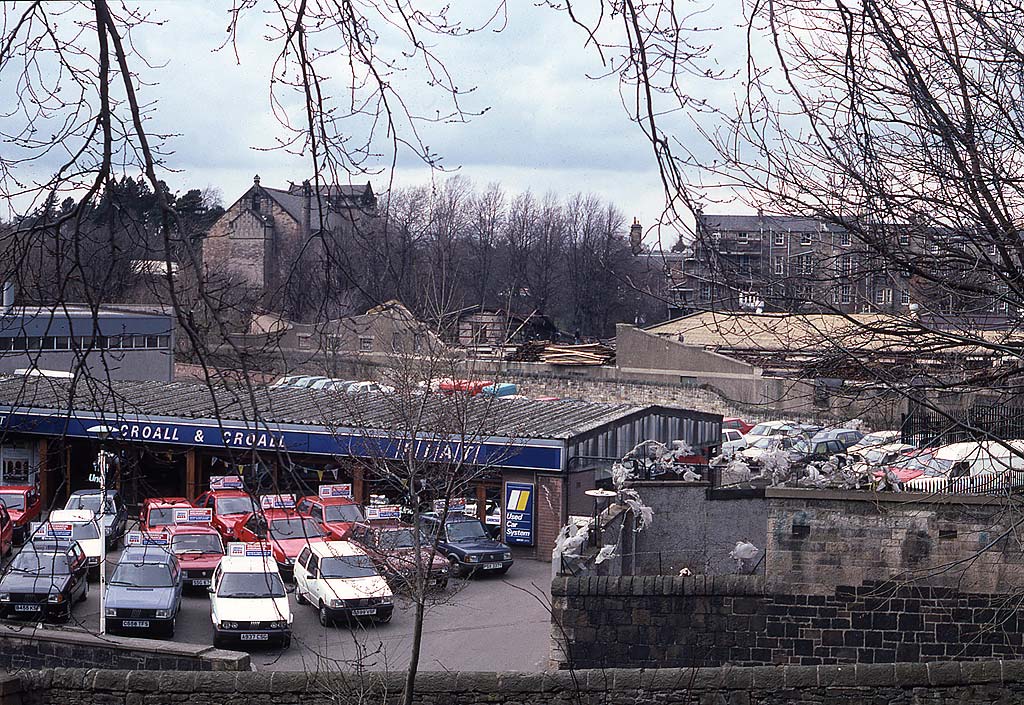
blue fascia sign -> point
(519, 517)
(317, 441)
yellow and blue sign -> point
(519, 513)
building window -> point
(805, 238)
(742, 237)
(904, 240)
(705, 291)
(904, 297)
(844, 239)
(139, 341)
(417, 342)
(396, 341)
(846, 265)
(780, 266)
(305, 341)
(845, 294)
(365, 344)
(780, 239)
(257, 202)
(805, 264)
(883, 296)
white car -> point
(732, 441)
(341, 581)
(975, 467)
(84, 529)
(877, 438)
(764, 445)
(364, 387)
(248, 602)
(768, 429)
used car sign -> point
(192, 515)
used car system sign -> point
(328, 491)
(519, 513)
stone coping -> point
(760, 678)
(878, 497)
(654, 585)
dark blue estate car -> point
(466, 544)
(144, 593)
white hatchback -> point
(248, 602)
(84, 529)
(341, 581)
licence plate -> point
(364, 612)
(27, 608)
(491, 566)
(136, 623)
(200, 581)
(255, 637)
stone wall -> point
(899, 684)
(26, 648)
(658, 621)
(818, 540)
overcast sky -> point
(548, 126)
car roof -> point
(147, 554)
(19, 488)
(50, 545)
(230, 492)
(169, 501)
(280, 513)
(71, 516)
(248, 564)
(336, 548)
(386, 524)
(453, 517)
(192, 529)
(89, 492)
(329, 500)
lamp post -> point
(103, 433)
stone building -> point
(267, 246)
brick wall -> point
(25, 648)
(658, 621)
(901, 684)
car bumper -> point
(246, 637)
(485, 567)
(127, 624)
(42, 610)
(357, 613)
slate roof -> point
(518, 419)
(768, 223)
(291, 201)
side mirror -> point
(210, 589)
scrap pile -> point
(554, 354)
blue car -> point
(467, 544)
(144, 593)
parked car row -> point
(346, 561)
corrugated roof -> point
(518, 419)
(814, 332)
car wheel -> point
(325, 617)
(299, 597)
(170, 627)
(64, 616)
(286, 642)
(456, 568)
(385, 620)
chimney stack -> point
(307, 206)
(636, 237)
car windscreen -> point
(347, 567)
(161, 516)
(234, 505)
(926, 463)
(761, 430)
(343, 512)
(251, 585)
(196, 543)
(12, 500)
(802, 447)
(90, 502)
(31, 562)
(399, 538)
(85, 531)
(295, 528)
(129, 574)
(466, 530)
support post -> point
(191, 475)
(357, 485)
(44, 472)
(481, 503)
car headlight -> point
(55, 598)
(289, 561)
(472, 559)
(110, 611)
(506, 556)
(94, 560)
(444, 571)
(5, 597)
(163, 614)
(337, 603)
(228, 625)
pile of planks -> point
(531, 351)
(589, 354)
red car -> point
(914, 464)
(337, 515)
(390, 544)
(470, 386)
(6, 532)
(228, 505)
(158, 512)
(737, 424)
(24, 507)
(199, 549)
(285, 530)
